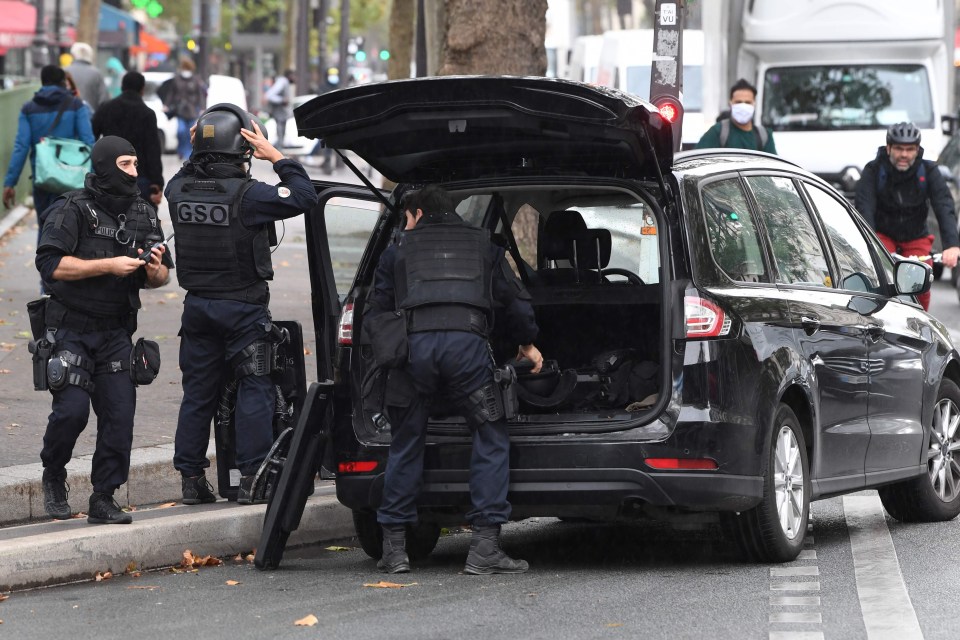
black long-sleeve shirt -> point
(128, 117)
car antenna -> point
(367, 183)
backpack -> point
(921, 177)
(758, 129)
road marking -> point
(795, 586)
(884, 601)
(795, 600)
(796, 635)
(807, 554)
(796, 616)
(783, 572)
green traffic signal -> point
(360, 56)
(154, 8)
(384, 54)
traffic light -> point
(671, 110)
(384, 54)
(152, 7)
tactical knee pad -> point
(483, 405)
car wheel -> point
(774, 530)
(935, 495)
(421, 537)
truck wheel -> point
(935, 495)
(774, 530)
(421, 537)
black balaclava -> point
(115, 189)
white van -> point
(832, 76)
(626, 58)
(584, 59)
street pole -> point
(204, 41)
(41, 46)
(344, 42)
(303, 47)
(57, 21)
(666, 79)
(421, 55)
(321, 27)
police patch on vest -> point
(107, 232)
(283, 192)
(204, 213)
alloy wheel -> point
(943, 459)
(788, 482)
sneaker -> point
(196, 490)
(105, 510)
(245, 494)
(55, 494)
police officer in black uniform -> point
(445, 275)
(222, 219)
(88, 259)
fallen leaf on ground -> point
(26, 335)
(309, 621)
(307, 352)
(388, 585)
(233, 583)
(171, 296)
(7, 346)
(3, 597)
(190, 560)
(5, 371)
(135, 574)
(238, 557)
(335, 548)
(251, 556)
(78, 516)
(131, 567)
(100, 577)
(613, 624)
(13, 425)
(148, 587)
(167, 505)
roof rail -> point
(721, 151)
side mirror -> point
(913, 278)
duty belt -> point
(447, 317)
(66, 318)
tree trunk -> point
(495, 37)
(88, 24)
(402, 19)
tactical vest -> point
(217, 256)
(106, 236)
(444, 278)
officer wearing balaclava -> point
(92, 262)
(740, 130)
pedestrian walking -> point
(222, 218)
(89, 257)
(443, 276)
(278, 103)
(53, 111)
(128, 117)
(738, 130)
(89, 80)
(184, 98)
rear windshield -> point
(828, 98)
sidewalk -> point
(35, 550)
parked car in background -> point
(220, 89)
(726, 339)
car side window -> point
(797, 251)
(734, 241)
(850, 248)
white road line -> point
(796, 635)
(784, 572)
(807, 554)
(795, 600)
(795, 586)
(796, 616)
(884, 601)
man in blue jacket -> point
(36, 121)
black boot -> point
(55, 492)
(249, 493)
(197, 490)
(487, 557)
(394, 558)
(105, 510)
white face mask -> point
(741, 112)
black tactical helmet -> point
(218, 131)
(903, 133)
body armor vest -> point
(217, 256)
(105, 236)
(443, 278)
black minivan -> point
(726, 339)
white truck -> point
(832, 75)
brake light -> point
(683, 464)
(360, 466)
(705, 319)
(345, 326)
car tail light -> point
(705, 319)
(345, 327)
(358, 466)
(683, 464)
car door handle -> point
(811, 324)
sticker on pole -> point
(668, 14)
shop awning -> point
(150, 44)
(19, 24)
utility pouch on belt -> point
(144, 361)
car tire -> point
(421, 537)
(935, 495)
(774, 530)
